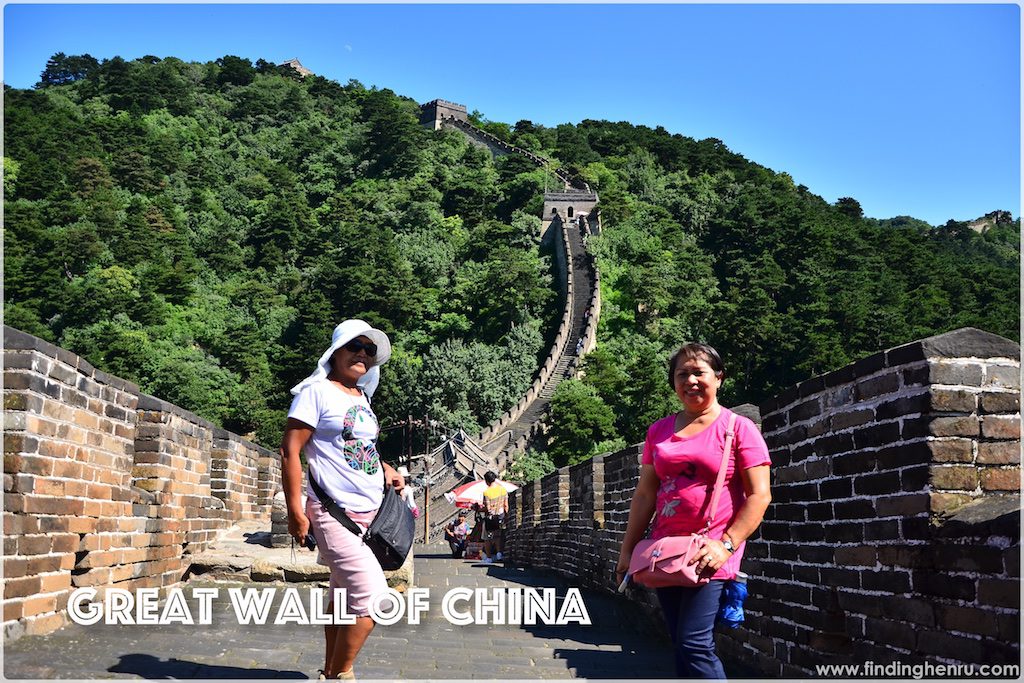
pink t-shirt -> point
(687, 467)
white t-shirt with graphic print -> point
(342, 452)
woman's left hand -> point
(392, 476)
(711, 557)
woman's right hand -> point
(622, 567)
(298, 526)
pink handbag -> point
(666, 561)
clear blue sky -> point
(910, 109)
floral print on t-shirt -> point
(360, 454)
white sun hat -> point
(343, 334)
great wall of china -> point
(894, 533)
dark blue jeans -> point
(690, 615)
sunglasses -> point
(355, 346)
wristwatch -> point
(728, 545)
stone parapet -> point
(106, 486)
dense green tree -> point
(580, 421)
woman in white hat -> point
(331, 420)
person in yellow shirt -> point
(495, 512)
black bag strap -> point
(333, 509)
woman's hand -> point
(641, 509)
(711, 557)
(621, 568)
(298, 526)
(392, 477)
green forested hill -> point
(700, 243)
(199, 228)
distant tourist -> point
(409, 492)
(331, 421)
(495, 513)
(681, 459)
(456, 534)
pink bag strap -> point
(730, 432)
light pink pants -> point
(353, 566)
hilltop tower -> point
(436, 111)
(297, 65)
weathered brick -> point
(858, 508)
(968, 620)
(804, 411)
(858, 603)
(895, 633)
(955, 477)
(952, 450)
(955, 426)
(852, 418)
(1011, 561)
(882, 530)
(944, 585)
(941, 644)
(876, 436)
(904, 505)
(43, 624)
(965, 558)
(876, 386)
(953, 400)
(854, 463)
(1005, 376)
(874, 484)
(951, 373)
(20, 587)
(844, 532)
(836, 488)
(820, 512)
(857, 555)
(1001, 427)
(999, 592)
(1000, 401)
(43, 563)
(915, 376)
(1001, 479)
(904, 405)
(908, 609)
(946, 503)
(915, 427)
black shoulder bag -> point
(390, 534)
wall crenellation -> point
(894, 528)
(105, 486)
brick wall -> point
(894, 528)
(105, 486)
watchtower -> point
(436, 111)
(569, 206)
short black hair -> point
(490, 477)
(690, 351)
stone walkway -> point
(614, 646)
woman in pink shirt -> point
(681, 457)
